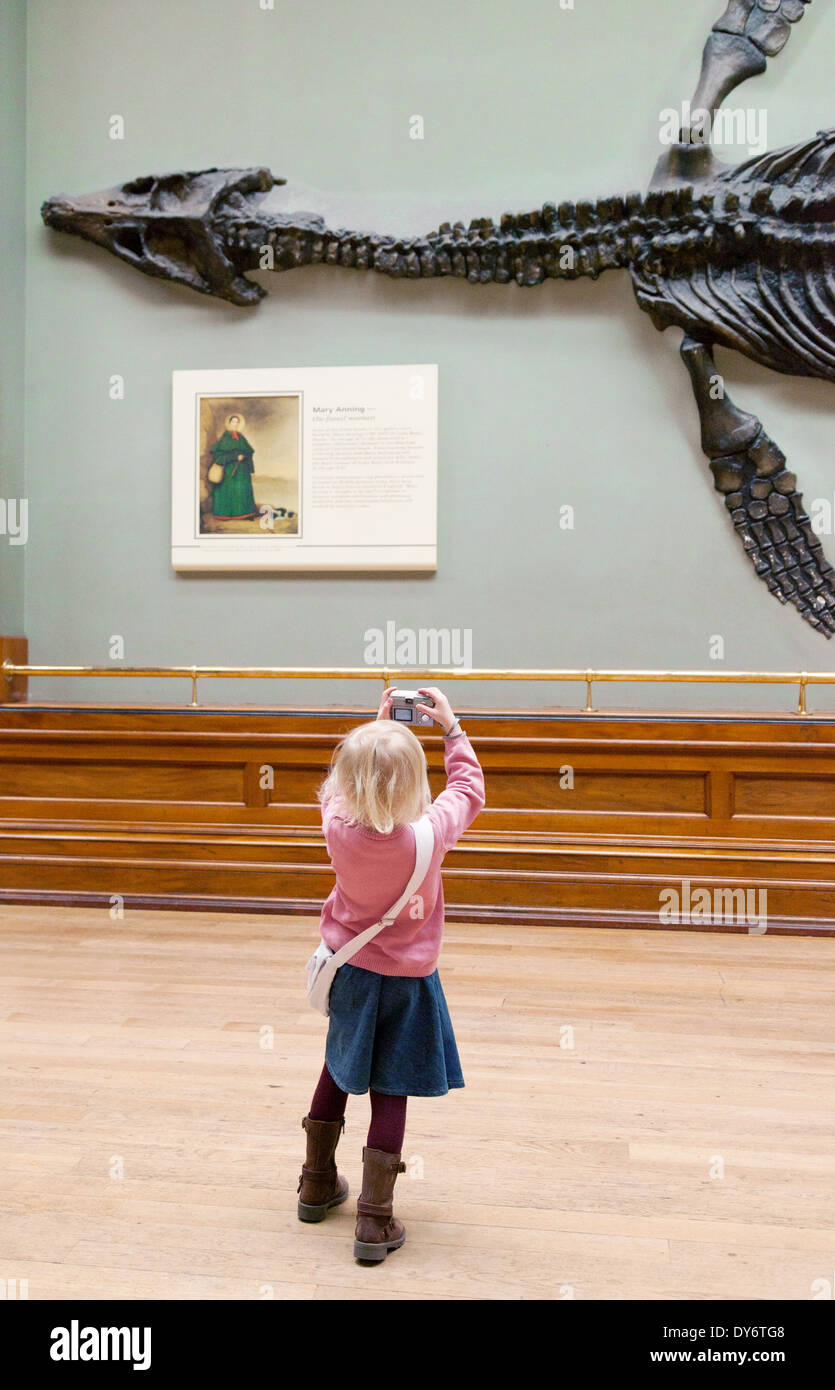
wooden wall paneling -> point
(167, 806)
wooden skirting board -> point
(173, 808)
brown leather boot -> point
(378, 1230)
(320, 1186)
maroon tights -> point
(388, 1113)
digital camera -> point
(404, 707)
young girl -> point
(389, 1030)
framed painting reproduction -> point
(305, 468)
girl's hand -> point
(384, 712)
(442, 712)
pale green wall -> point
(564, 394)
(12, 287)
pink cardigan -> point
(372, 871)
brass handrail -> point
(387, 674)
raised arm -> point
(463, 797)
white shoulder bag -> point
(324, 963)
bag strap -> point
(424, 845)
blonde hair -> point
(378, 772)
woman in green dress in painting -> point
(233, 498)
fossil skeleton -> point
(740, 256)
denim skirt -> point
(391, 1033)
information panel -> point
(305, 468)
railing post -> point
(14, 651)
(801, 698)
(589, 706)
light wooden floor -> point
(142, 1047)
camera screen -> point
(405, 714)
